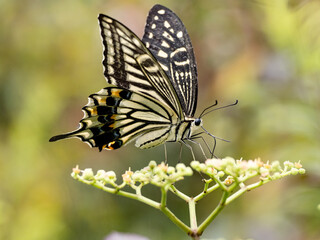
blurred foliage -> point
(265, 53)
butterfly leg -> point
(180, 152)
(165, 153)
(195, 142)
(215, 141)
(197, 136)
(188, 146)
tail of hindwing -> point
(115, 116)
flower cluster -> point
(241, 170)
(160, 175)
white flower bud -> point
(171, 170)
(188, 171)
(181, 167)
(195, 165)
(152, 164)
(87, 174)
(111, 175)
(294, 171)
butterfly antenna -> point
(215, 104)
(232, 104)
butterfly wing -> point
(115, 116)
(130, 65)
(140, 101)
(167, 39)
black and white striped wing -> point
(167, 39)
(114, 116)
(130, 65)
(140, 101)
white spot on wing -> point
(133, 79)
(165, 44)
(164, 67)
(127, 50)
(120, 32)
(153, 26)
(108, 20)
(147, 44)
(136, 42)
(166, 24)
(156, 17)
(110, 59)
(162, 11)
(129, 59)
(132, 69)
(107, 33)
(110, 70)
(180, 34)
(162, 54)
(168, 36)
(105, 25)
(150, 35)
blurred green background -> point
(265, 53)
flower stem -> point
(192, 214)
(214, 213)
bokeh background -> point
(265, 53)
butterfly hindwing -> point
(167, 39)
(115, 116)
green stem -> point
(205, 193)
(214, 213)
(192, 213)
(169, 214)
(176, 220)
(181, 195)
(163, 198)
(124, 194)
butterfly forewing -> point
(130, 65)
(167, 39)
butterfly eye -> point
(197, 121)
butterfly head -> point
(197, 122)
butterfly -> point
(152, 86)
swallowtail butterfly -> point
(152, 89)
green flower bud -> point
(275, 166)
(152, 164)
(220, 174)
(276, 176)
(302, 171)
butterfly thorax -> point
(186, 128)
